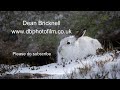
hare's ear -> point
(80, 33)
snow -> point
(47, 69)
(56, 71)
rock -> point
(23, 76)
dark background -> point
(103, 25)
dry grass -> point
(87, 71)
(93, 70)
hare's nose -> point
(60, 49)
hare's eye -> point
(68, 42)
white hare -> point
(77, 47)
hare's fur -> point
(77, 48)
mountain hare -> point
(77, 47)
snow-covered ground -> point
(105, 66)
